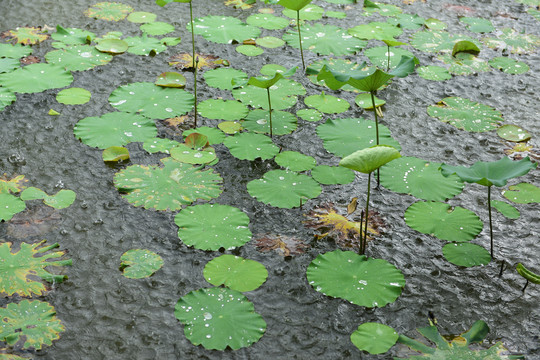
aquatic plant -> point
(528, 275)
(140, 263)
(235, 272)
(195, 150)
(374, 338)
(296, 5)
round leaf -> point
(9, 206)
(223, 29)
(466, 254)
(466, 114)
(115, 153)
(36, 78)
(309, 115)
(249, 146)
(222, 78)
(295, 161)
(112, 46)
(513, 133)
(283, 95)
(73, 96)
(157, 28)
(259, 121)
(188, 155)
(139, 263)
(249, 50)
(144, 45)
(235, 273)
(509, 66)
(222, 109)
(374, 338)
(434, 73)
(327, 104)
(267, 21)
(171, 79)
(78, 57)
(332, 175)
(141, 17)
(523, 193)
(155, 145)
(270, 42)
(376, 30)
(14, 51)
(110, 11)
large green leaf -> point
(342, 137)
(34, 321)
(250, 146)
(140, 263)
(218, 318)
(235, 273)
(420, 178)
(222, 109)
(362, 281)
(523, 193)
(213, 226)
(283, 95)
(19, 269)
(284, 189)
(259, 121)
(466, 114)
(36, 78)
(325, 40)
(370, 159)
(294, 4)
(62, 199)
(506, 209)
(295, 161)
(9, 206)
(466, 254)
(376, 30)
(490, 173)
(109, 11)
(144, 45)
(332, 175)
(168, 187)
(442, 221)
(152, 101)
(114, 129)
(374, 338)
(71, 36)
(222, 78)
(223, 29)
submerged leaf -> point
(282, 244)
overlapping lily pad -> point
(327, 104)
(466, 254)
(235, 273)
(62, 199)
(112, 46)
(222, 78)
(155, 145)
(514, 41)
(144, 45)
(115, 153)
(283, 94)
(376, 30)
(295, 161)
(222, 109)
(224, 29)
(332, 175)
(250, 146)
(379, 56)
(438, 41)
(214, 136)
(338, 65)
(71, 36)
(259, 121)
(140, 263)
(466, 114)
(36, 78)
(465, 64)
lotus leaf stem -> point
(364, 243)
(376, 132)
(269, 111)
(192, 34)
(195, 89)
(527, 283)
(300, 38)
(388, 62)
(490, 224)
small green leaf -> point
(270, 42)
(110, 11)
(327, 103)
(62, 199)
(222, 78)
(311, 115)
(157, 28)
(73, 96)
(374, 338)
(78, 58)
(528, 274)
(267, 21)
(465, 46)
(250, 146)
(364, 101)
(235, 273)
(53, 112)
(509, 66)
(506, 209)
(466, 254)
(115, 153)
(259, 121)
(435, 73)
(222, 109)
(155, 145)
(171, 79)
(478, 25)
(140, 263)
(295, 161)
(332, 175)
(523, 193)
(141, 17)
(466, 114)
(223, 29)
(513, 133)
(435, 24)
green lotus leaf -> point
(230, 127)
(284, 189)
(26, 35)
(141, 17)
(168, 187)
(165, 2)
(342, 137)
(154, 145)
(61, 200)
(115, 153)
(332, 175)
(376, 30)
(370, 159)
(140, 263)
(364, 101)
(381, 8)
(407, 21)
(466, 47)
(78, 58)
(307, 13)
(379, 56)
(222, 109)
(355, 278)
(6, 98)
(259, 121)
(36, 78)
(506, 209)
(325, 40)
(14, 185)
(222, 78)
(528, 274)
(438, 41)
(357, 79)
(283, 94)
(465, 64)
(218, 318)
(213, 135)
(466, 254)
(267, 21)
(109, 35)
(109, 11)
(513, 40)
(435, 24)
(420, 178)
(19, 269)
(53, 112)
(171, 40)
(171, 79)
(157, 28)
(477, 25)
(466, 114)
(112, 46)
(72, 36)
(327, 104)
(374, 338)
(249, 50)
(34, 321)
(114, 129)
(8, 65)
(73, 96)
(335, 14)
(295, 5)
(295, 161)
(188, 155)
(442, 221)
(144, 45)
(434, 73)
(14, 51)
(311, 115)
(513, 133)
(264, 82)
(249, 146)
(509, 66)
(223, 29)
(270, 42)
(235, 273)
(272, 69)
(152, 101)
(213, 226)
(523, 193)
(490, 173)
(9, 206)
(338, 66)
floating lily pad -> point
(224, 29)
(435, 24)
(374, 338)
(338, 65)
(295, 161)
(311, 115)
(6, 98)
(506, 209)
(478, 25)
(327, 104)
(235, 273)
(193, 154)
(355, 278)
(382, 9)
(217, 318)
(168, 187)
(213, 135)
(19, 269)
(71, 36)
(407, 21)
(250, 146)
(465, 64)
(141, 17)
(112, 46)
(157, 28)
(271, 69)
(420, 178)
(73, 96)
(259, 121)
(115, 153)
(36, 78)
(154, 145)
(466, 114)
(379, 56)
(78, 57)
(364, 101)
(442, 221)
(171, 40)
(466, 254)
(283, 94)
(376, 30)
(332, 175)
(222, 78)
(9, 206)
(109, 11)
(435, 73)
(249, 50)
(267, 21)
(270, 42)
(438, 41)
(308, 12)
(62, 199)
(230, 127)
(509, 66)
(342, 137)
(523, 193)
(325, 40)
(171, 79)
(284, 189)
(513, 133)
(14, 185)
(152, 101)
(222, 109)
(25, 35)
(144, 45)
(14, 51)
(514, 41)
(114, 129)
(34, 322)
(140, 263)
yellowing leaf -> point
(14, 185)
(185, 61)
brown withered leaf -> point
(520, 150)
(184, 61)
(25, 35)
(13, 185)
(35, 221)
(282, 244)
(29, 60)
(240, 4)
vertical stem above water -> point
(376, 130)
(269, 111)
(490, 224)
(388, 62)
(300, 38)
(195, 89)
(192, 34)
(367, 213)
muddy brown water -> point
(108, 316)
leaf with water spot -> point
(36, 78)
(71, 36)
(171, 79)
(109, 11)
(78, 57)
(9, 206)
(259, 121)
(223, 78)
(73, 96)
(523, 193)
(465, 64)
(283, 94)
(222, 109)
(514, 41)
(267, 21)
(155, 145)
(140, 263)
(513, 133)
(14, 51)
(141, 17)
(327, 104)
(466, 114)
(112, 46)
(235, 273)
(144, 45)
(434, 73)
(250, 146)
(509, 66)
(379, 56)
(376, 30)
(466, 254)
(438, 40)
(332, 175)
(295, 161)
(223, 29)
